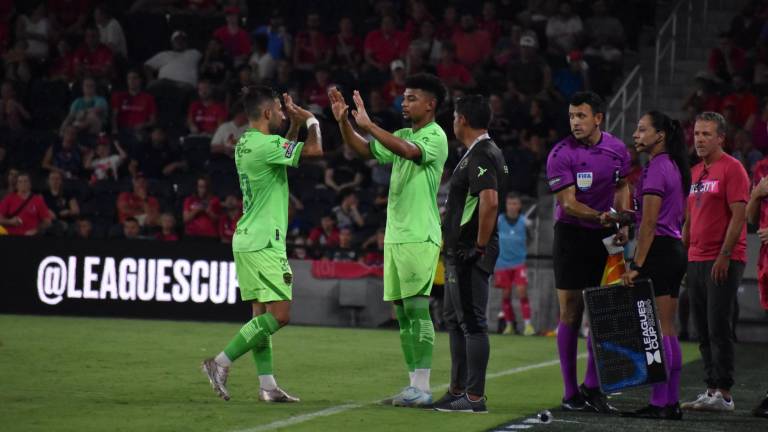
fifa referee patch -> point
(584, 180)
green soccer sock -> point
(422, 330)
(262, 356)
(251, 335)
(406, 338)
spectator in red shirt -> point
(419, 14)
(449, 25)
(489, 23)
(325, 235)
(234, 39)
(138, 204)
(384, 45)
(347, 46)
(134, 110)
(93, 58)
(167, 228)
(744, 102)
(473, 45)
(202, 211)
(727, 60)
(311, 47)
(394, 88)
(63, 66)
(316, 93)
(451, 72)
(205, 114)
(233, 210)
(374, 248)
(22, 212)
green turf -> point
(80, 374)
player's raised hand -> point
(359, 113)
(338, 105)
(295, 112)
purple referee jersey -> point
(661, 177)
(594, 170)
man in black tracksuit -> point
(471, 245)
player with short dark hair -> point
(471, 244)
(660, 196)
(412, 239)
(715, 233)
(264, 276)
(587, 173)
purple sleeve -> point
(559, 170)
(654, 179)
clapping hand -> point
(338, 104)
(296, 113)
(360, 114)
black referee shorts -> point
(666, 265)
(579, 256)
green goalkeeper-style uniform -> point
(258, 245)
(412, 239)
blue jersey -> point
(512, 242)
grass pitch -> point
(82, 374)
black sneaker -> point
(647, 412)
(674, 412)
(576, 403)
(597, 400)
(447, 398)
(762, 409)
(462, 404)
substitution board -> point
(626, 336)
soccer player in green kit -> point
(263, 273)
(413, 237)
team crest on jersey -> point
(287, 278)
(584, 180)
(289, 147)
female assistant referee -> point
(660, 198)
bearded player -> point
(263, 273)
(413, 236)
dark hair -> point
(430, 84)
(254, 97)
(261, 40)
(590, 98)
(675, 143)
(130, 219)
(514, 195)
(476, 109)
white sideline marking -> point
(342, 408)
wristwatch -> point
(633, 266)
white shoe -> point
(217, 376)
(718, 403)
(698, 402)
(412, 397)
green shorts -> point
(409, 269)
(264, 275)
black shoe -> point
(762, 409)
(462, 404)
(674, 412)
(652, 412)
(447, 398)
(597, 400)
(576, 403)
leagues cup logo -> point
(649, 332)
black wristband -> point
(633, 266)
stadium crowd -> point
(124, 115)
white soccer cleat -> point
(276, 395)
(217, 376)
(412, 397)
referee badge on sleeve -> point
(584, 180)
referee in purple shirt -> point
(660, 199)
(587, 173)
